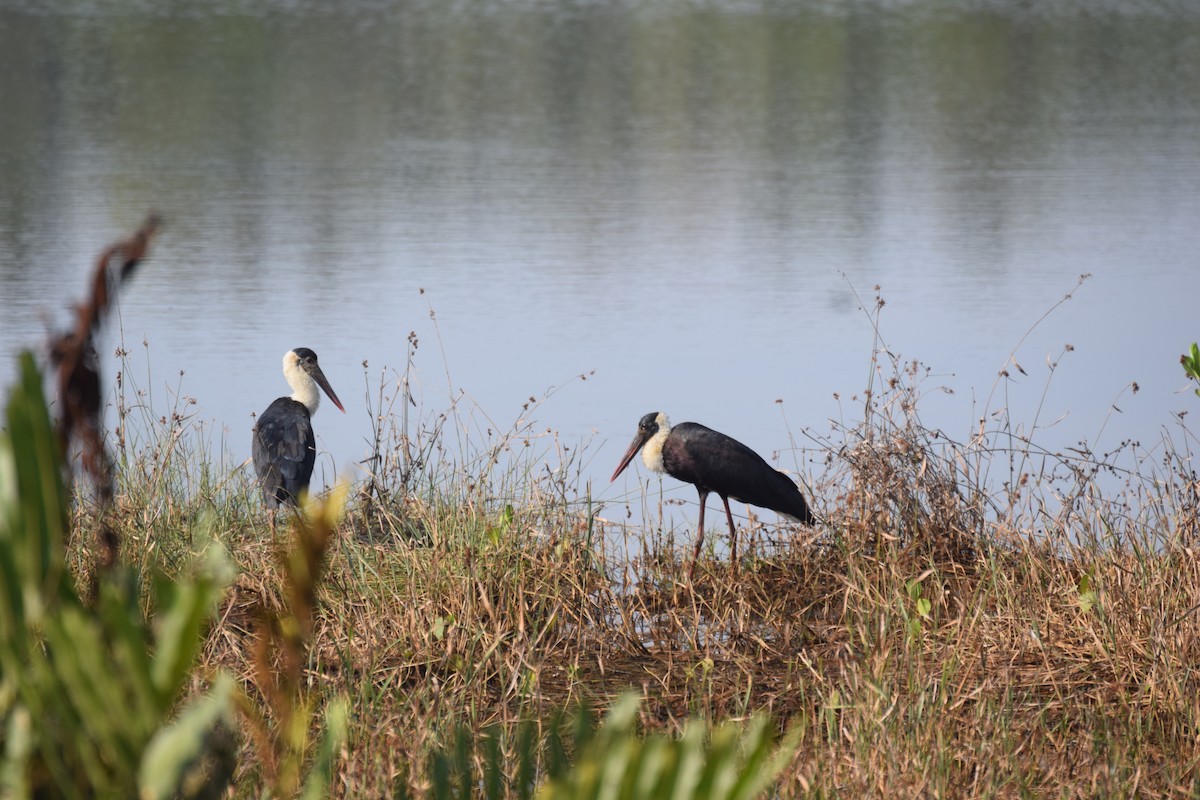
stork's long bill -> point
(319, 377)
(638, 441)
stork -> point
(285, 447)
(714, 462)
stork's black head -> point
(305, 355)
(648, 425)
(307, 360)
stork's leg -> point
(699, 535)
(732, 536)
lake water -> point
(691, 202)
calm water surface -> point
(691, 202)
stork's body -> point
(714, 462)
(284, 446)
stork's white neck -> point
(652, 454)
(305, 389)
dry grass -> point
(974, 619)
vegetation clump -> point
(976, 618)
(936, 636)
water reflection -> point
(683, 197)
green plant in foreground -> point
(90, 693)
(455, 771)
(921, 605)
(1191, 364)
(83, 693)
(734, 761)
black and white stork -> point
(714, 462)
(285, 447)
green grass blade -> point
(175, 751)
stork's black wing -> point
(718, 463)
(285, 450)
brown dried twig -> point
(78, 371)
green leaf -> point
(1191, 362)
(736, 761)
(1087, 594)
(496, 533)
(169, 764)
(35, 526)
(181, 622)
(766, 759)
(924, 606)
(320, 777)
(18, 745)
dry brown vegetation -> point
(937, 635)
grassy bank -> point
(972, 619)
